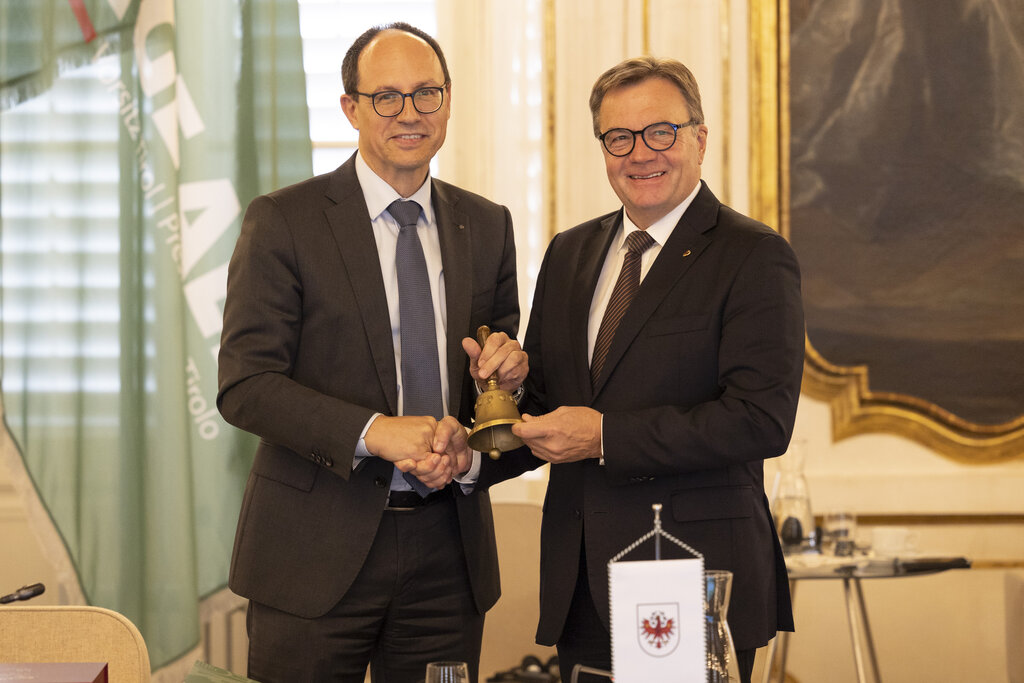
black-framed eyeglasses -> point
(658, 136)
(390, 103)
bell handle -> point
(482, 333)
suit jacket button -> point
(577, 514)
(380, 482)
(329, 461)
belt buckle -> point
(405, 501)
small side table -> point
(851, 571)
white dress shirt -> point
(379, 195)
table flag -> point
(657, 615)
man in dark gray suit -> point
(666, 349)
(354, 545)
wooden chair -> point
(74, 634)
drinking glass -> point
(840, 531)
(447, 672)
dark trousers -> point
(410, 604)
(585, 639)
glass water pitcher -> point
(721, 653)
(791, 502)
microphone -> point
(23, 593)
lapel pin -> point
(686, 253)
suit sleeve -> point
(750, 414)
(263, 327)
(514, 463)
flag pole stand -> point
(657, 533)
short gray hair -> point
(637, 69)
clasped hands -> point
(437, 451)
(434, 451)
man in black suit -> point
(345, 559)
(673, 396)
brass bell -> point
(495, 413)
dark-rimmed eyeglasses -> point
(658, 136)
(390, 103)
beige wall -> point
(953, 626)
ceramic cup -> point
(893, 541)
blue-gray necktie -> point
(421, 374)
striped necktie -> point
(637, 242)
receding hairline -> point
(350, 64)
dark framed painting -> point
(889, 149)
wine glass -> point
(447, 672)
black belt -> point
(407, 500)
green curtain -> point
(43, 38)
(126, 161)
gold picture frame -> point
(855, 407)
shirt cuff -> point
(468, 480)
(361, 452)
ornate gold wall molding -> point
(550, 120)
(766, 100)
(855, 408)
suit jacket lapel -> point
(453, 228)
(676, 257)
(349, 221)
(584, 278)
